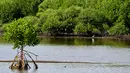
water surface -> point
(103, 55)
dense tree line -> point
(14, 9)
(77, 17)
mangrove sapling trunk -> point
(22, 59)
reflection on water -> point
(80, 41)
(86, 41)
(103, 55)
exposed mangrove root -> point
(36, 66)
(27, 66)
(30, 53)
(20, 61)
(14, 65)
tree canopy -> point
(22, 32)
(14, 9)
(70, 16)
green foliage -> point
(92, 28)
(68, 3)
(44, 15)
(96, 15)
(118, 29)
(60, 4)
(34, 21)
(49, 4)
(80, 28)
(56, 19)
(69, 16)
(11, 9)
(93, 17)
(95, 30)
(22, 32)
(28, 7)
(110, 8)
(51, 24)
(106, 27)
(113, 9)
(7, 10)
(69, 19)
(59, 21)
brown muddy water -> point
(102, 55)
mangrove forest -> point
(70, 17)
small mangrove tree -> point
(22, 33)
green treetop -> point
(22, 32)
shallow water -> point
(71, 68)
(104, 56)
